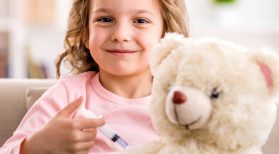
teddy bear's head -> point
(213, 92)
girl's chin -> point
(127, 72)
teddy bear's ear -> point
(163, 49)
(268, 62)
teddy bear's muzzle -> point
(188, 107)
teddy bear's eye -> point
(215, 93)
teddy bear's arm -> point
(150, 148)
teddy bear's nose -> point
(179, 97)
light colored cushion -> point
(33, 94)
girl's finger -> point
(87, 135)
(70, 108)
(81, 146)
(86, 146)
(83, 152)
(89, 123)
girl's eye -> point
(141, 21)
(104, 19)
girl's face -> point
(122, 33)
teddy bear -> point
(211, 96)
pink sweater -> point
(128, 117)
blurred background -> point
(32, 31)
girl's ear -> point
(268, 62)
(163, 49)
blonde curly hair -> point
(78, 56)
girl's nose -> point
(121, 33)
(179, 98)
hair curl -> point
(78, 56)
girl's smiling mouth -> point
(120, 51)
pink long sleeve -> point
(128, 117)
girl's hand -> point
(63, 135)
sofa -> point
(17, 95)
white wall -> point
(254, 23)
(257, 12)
(46, 42)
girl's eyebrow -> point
(105, 10)
(138, 11)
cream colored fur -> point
(237, 121)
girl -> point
(107, 45)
